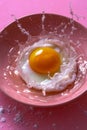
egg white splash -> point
(60, 80)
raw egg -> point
(48, 65)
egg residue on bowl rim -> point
(42, 78)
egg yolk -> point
(45, 60)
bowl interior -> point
(8, 39)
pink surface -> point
(22, 8)
(71, 116)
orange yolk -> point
(45, 60)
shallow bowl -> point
(33, 24)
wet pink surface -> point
(71, 116)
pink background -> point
(71, 116)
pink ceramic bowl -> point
(33, 24)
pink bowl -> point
(33, 23)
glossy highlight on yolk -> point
(45, 60)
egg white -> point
(46, 83)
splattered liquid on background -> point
(59, 33)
